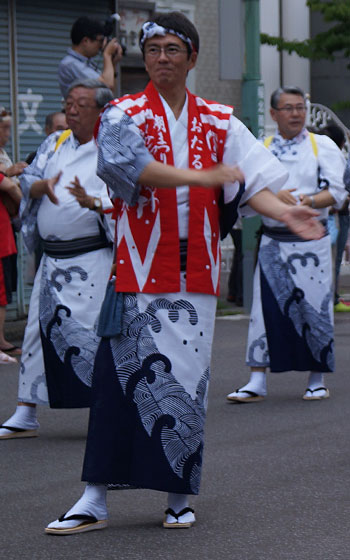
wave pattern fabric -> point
(291, 324)
(60, 341)
(148, 430)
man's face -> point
(82, 112)
(5, 132)
(92, 46)
(290, 115)
(168, 69)
(58, 123)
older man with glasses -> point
(63, 206)
(291, 325)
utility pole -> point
(253, 118)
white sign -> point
(30, 103)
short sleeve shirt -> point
(73, 66)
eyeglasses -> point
(78, 104)
(171, 51)
(290, 108)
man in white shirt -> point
(291, 324)
(63, 206)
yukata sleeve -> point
(122, 154)
(346, 176)
(106, 220)
(29, 206)
(331, 170)
(261, 169)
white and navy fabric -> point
(60, 341)
(150, 383)
(291, 321)
(291, 324)
(150, 388)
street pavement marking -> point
(236, 317)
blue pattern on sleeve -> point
(29, 206)
(122, 155)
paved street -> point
(275, 481)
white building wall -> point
(290, 19)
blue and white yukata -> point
(60, 341)
(150, 383)
(291, 323)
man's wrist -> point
(95, 204)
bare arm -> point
(7, 186)
(158, 175)
(319, 200)
(111, 55)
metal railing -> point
(319, 115)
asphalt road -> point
(275, 481)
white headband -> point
(150, 29)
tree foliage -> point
(325, 44)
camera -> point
(109, 30)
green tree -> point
(326, 44)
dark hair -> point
(49, 118)
(86, 27)
(335, 133)
(180, 23)
(103, 94)
(276, 95)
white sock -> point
(178, 502)
(25, 417)
(256, 384)
(92, 502)
(316, 380)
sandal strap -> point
(78, 517)
(317, 389)
(13, 429)
(171, 512)
(251, 393)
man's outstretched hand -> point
(302, 221)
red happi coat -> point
(148, 254)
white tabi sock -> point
(316, 380)
(178, 502)
(257, 384)
(24, 418)
(92, 502)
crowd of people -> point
(154, 169)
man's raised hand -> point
(50, 187)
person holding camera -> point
(89, 37)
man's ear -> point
(273, 114)
(192, 60)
